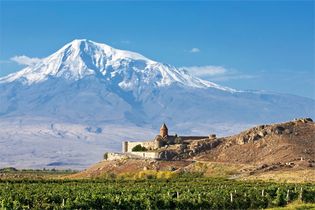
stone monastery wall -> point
(128, 145)
(134, 155)
(146, 155)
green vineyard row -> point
(184, 193)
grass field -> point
(33, 174)
(297, 205)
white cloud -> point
(233, 77)
(216, 73)
(24, 60)
(195, 50)
(202, 71)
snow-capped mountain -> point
(97, 96)
(83, 58)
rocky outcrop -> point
(167, 155)
(203, 145)
(261, 131)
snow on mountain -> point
(82, 58)
(98, 96)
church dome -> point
(163, 130)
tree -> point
(139, 148)
(105, 155)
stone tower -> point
(163, 130)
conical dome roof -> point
(164, 127)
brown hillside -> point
(284, 143)
(130, 166)
(284, 151)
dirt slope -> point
(262, 152)
(130, 166)
(266, 144)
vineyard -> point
(179, 193)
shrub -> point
(105, 155)
(8, 169)
(139, 148)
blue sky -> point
(265, 45)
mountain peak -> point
(88, 46)
(129, 70)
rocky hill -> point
(266, 144)
(265, 151)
